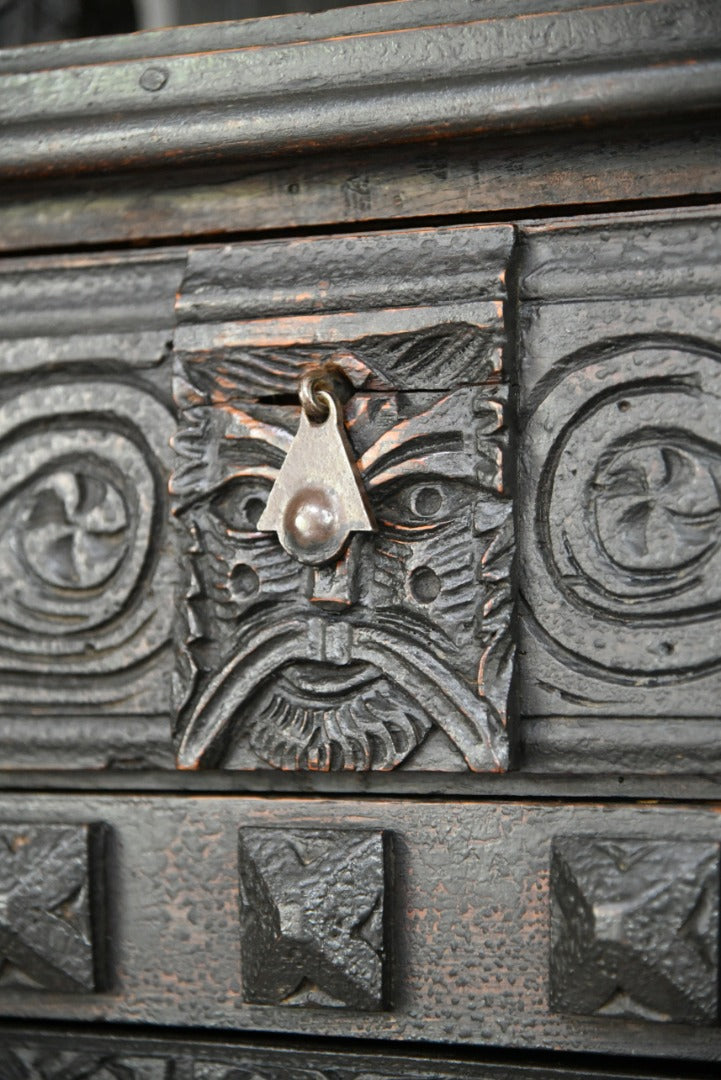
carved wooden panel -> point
(53, 1063)
(400, 651)
(51, 907)
(110, 588)
(468, 916)
(33, 1055)
(635, 928)
(312, 913)
(87, 561)
(620, 472)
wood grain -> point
(466, 176)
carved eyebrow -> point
(388, 453)
(245, 426)
(209, 461)
(411, 437)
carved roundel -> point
(73, 528)
(622, 554)
(81, 490)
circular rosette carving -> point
(82, 494)
(656, 508)
(622, 555)
(74, 528)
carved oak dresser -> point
(360, 547)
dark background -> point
(25, 21)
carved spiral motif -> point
(74, 529)
(623, 567)
(656, 507)
(81, 488)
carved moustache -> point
(422, 678)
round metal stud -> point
(312, 521)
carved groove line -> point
(627, 539)
(83, 508)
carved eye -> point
(427, 501)
(421, 505)
(240, 503)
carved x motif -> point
(312, 908)
(45, 928)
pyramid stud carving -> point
(50, 907)
(312, 912)
(634, 928)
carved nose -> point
(334, 586)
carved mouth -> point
(316, 682)
(390, 710)
(359, 720)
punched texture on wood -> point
(620, 469)
(33, 1055)
(370, 80)
(56, 1063)
(635, 928)
(312, 913)
(468, 914)
(403, 642)
(51, 907)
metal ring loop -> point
(316, 395)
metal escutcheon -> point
(317, 500)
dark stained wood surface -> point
(33, 1054)
(628, 958)
(494, 175)
(415, 313)
(538, 925)
(102, 310)
(544, 70)
(416, 322)
(620, 324)
(287, 29)
(469, 918)
(52, 926)
(315, 916)
(86, 421)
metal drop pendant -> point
(317, 500)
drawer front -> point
(581, 927)
(559, 381)
(173, 629)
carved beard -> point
(279, 692)
(263, 675)
(333, 692)
(306, 717)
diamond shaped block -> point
(312, 916)
(50, 907)
(635, 928)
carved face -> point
(347, 665)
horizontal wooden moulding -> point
(468, 910)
